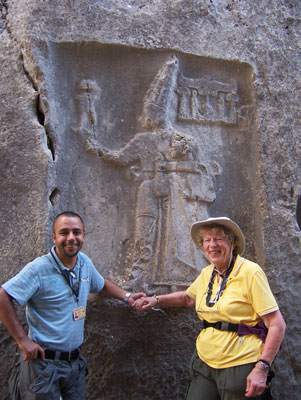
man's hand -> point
(134, 297)
(9, 318)
(30, 349)
(256, 382)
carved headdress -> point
(156, 102)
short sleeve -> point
(24, 285)
(261, 296)
(193, 288)
(97, 281)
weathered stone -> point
(203, 92)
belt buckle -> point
(70, 355)
(224, 326)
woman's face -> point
(217, 247)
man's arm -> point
(9, 318)
(112, 290)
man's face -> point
(68, 236)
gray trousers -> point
(49, 380)
(218, 384)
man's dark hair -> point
(68, 214)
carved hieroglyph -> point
(206, 99)
(175, 182)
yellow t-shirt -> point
(246, 297)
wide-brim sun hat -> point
(225, 222)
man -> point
(55, 288)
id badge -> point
(79, 313)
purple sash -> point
(259, 330)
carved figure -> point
(175, 187)
(86, 97)
(191, 192)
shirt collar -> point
(75, 268)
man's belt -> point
(62, 355)
(221, 325)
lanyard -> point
(68, 275)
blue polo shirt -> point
(50, 301)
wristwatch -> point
(126, 297)
(265, 365)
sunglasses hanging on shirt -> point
(70, 277)
(72, 281)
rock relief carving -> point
(175, 188)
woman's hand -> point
(256, 382)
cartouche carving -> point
(205, 99)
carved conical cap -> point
(157, 99)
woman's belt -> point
(259, 329)
(221, 325)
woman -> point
(233, 298)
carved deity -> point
(175, 183)
(175, 187)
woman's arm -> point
(276, 326)
(256, 380)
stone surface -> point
(80, 85)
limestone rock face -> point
(144, 117)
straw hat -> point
(223, 222)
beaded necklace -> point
(222, 285)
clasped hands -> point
(144, 303)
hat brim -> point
(223, 222)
